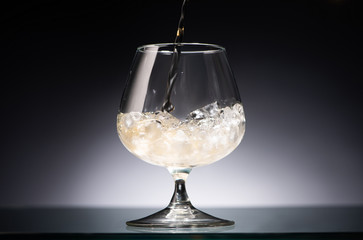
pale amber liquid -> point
(161, 139)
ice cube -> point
(166, 119)
(149, 129)
(207, 111)
(128, 120)
(212, 109)
(228, 114)
(233, 116)
(238, 108)
(197, 115)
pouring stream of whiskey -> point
(173, 71)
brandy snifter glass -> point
(205, 123)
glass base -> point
(180, 213)
(180, 217)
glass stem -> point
(180, 196)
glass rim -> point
(167, 48)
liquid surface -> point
(206, 135)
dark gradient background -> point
(298, 65)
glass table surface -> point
(250, 223)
